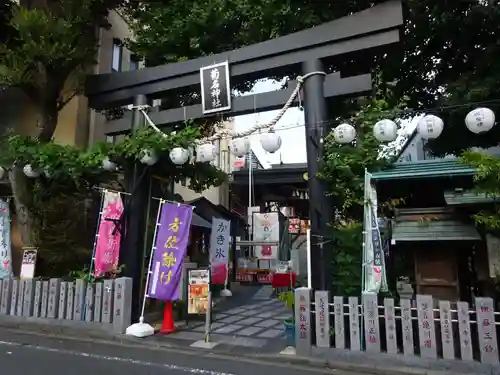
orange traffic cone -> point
(167, 325)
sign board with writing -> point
(464, 331)
(219, 250)
(266, 229)
(407, 327)
(446, 330)
(390, 326)
(426, 329)
(322, 315)
(28, 263)
(486, 330)
(338, 311)
(372, 325)
(215, 88)
(198, 288)
(354, 332)
(303, 321)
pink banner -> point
(107, 250)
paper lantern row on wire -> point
(479, 120)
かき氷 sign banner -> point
(219, 250)
(169, 251)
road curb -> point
(181, 345)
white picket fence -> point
(107, 303)
(420, 327)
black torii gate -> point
(301, 52)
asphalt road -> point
(22, 354)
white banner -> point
(5, 241)
(219, 249)
(266, 228)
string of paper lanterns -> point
(430, 126)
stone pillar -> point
(45, 299)
(107, 301)
(80, 289)
(89, 303)
(122, 315)
(63, 295)
(20, 298)
(37, 299)
(98, 302)
(53, 304)
(69, 301)
(303, 328)
(29, 296)
(6, 296)
(13, 299)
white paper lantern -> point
(344, 133)
(385, 131)
(206, 153)
(179, 155)
(240, 146)
(2, 172)
(480, 120)
(430, 127)
(149, 157)
(108, 165)
(30, 172)
(271, 142)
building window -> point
(134, 63)
(116, 60)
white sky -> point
(291, 130)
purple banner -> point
(169, 251)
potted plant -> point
(289, 324)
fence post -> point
(20, 298)
(13, 298)
(6, 296)
(122, 315)
(63, 298)
(372, 326)
(303, 321)
(426, 327)
(29, 295)
(45, 299)
(464, 331)
(338, 308)
(354, 331)
(407, 327)
(37, 299)
(80, 288)
(107, 301)
(322, 317)
(89, 303)
(70, 302)
(98, 303)
(390, 326)
(486, 330)
(446, 330)
(54, 288)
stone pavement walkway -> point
(252, 319)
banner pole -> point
(96, 235)
(153, 248)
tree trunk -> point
(21, 191)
